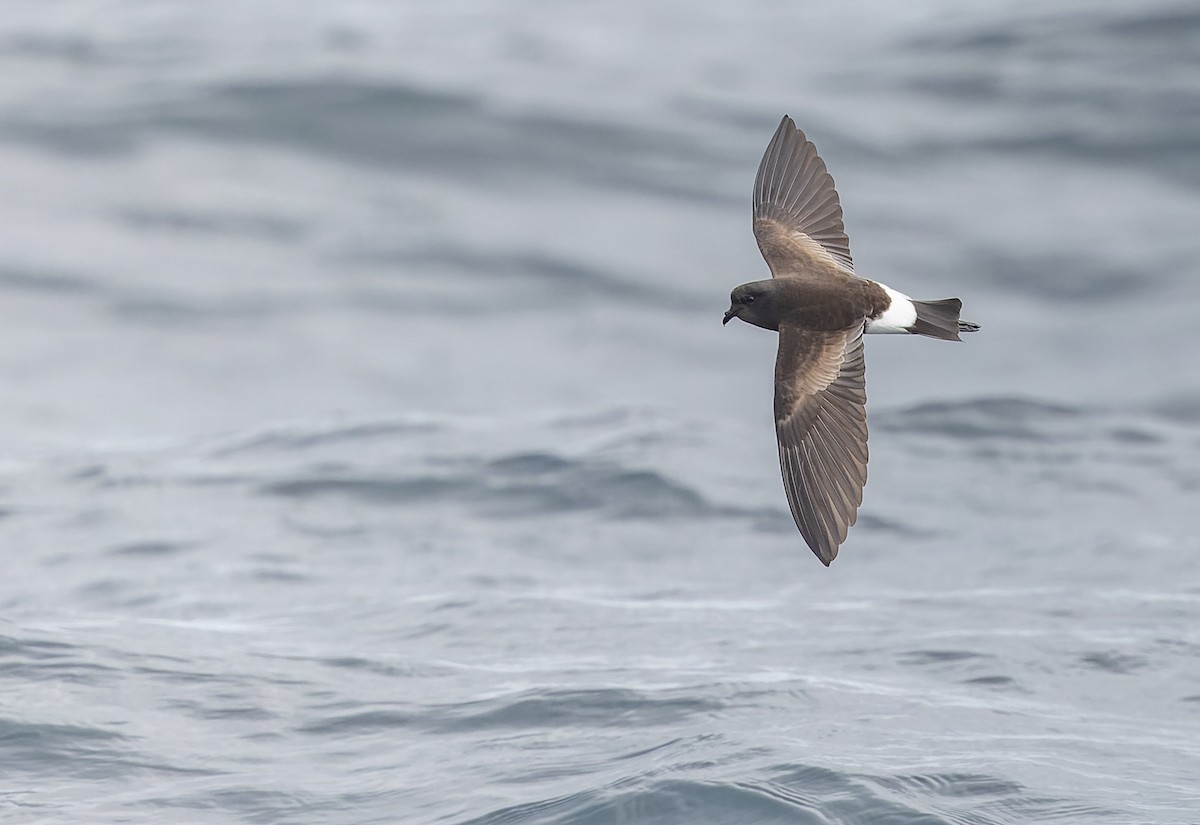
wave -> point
(520, 485)
(1011, 418)
(1120, 50)
(1158, 439)
(800, 794)
(299, 438)
(544, 708)
(374, 122)
(536, 269)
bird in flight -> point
(821, 310)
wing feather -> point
(795, 205)
(821, 424)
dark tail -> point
(939, 319)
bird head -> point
(755, 303)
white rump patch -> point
(898, 317)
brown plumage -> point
(821, 311)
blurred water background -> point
(371, 449)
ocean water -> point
(371, 449)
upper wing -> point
(821, 423)
(797, 214)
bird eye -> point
(749, 299)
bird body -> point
(821, 311)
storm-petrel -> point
(821, 310)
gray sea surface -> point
(371, 450)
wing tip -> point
(822, 545)
(824, 553)
(787, 124)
